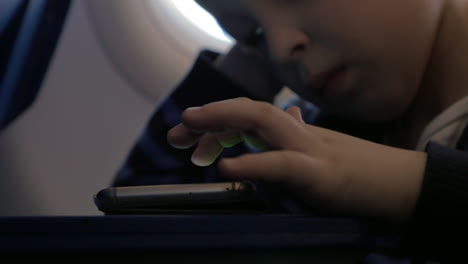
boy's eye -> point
(256, 42)
(256, 38)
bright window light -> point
(201, 18)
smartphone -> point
(203, 198)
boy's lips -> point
(327, 82)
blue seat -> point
(29, 30)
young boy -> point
(391, 75)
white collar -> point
(447, 128)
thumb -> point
(295, 112)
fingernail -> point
(191, 109)
(202, 161)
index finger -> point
(276, 128)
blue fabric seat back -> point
(29, 30)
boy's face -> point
(361, 59)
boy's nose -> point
(287, 44)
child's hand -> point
(330, 170)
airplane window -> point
(153, 43)
(201, 18)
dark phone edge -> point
(107, 202)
